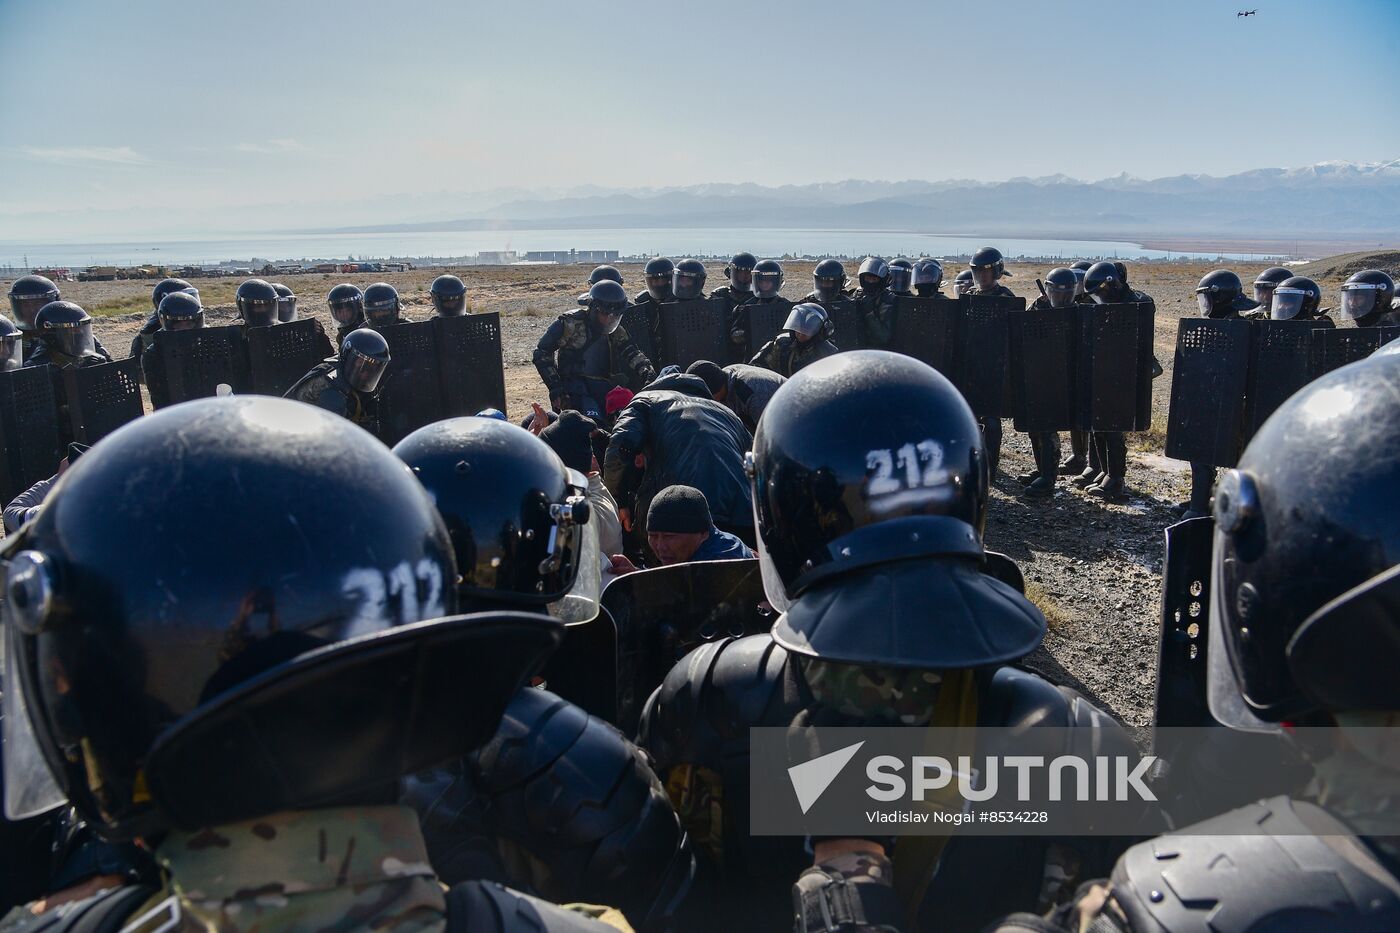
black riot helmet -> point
(604, 272)
(1217, 293)
(286, 303)
(829, 278)
(806, 321)
(767, 278)
(901, 276)
(1060, 286)
(962, 282)
(257, 303)
(293, 665)
(688, 280)
(347, 304)
(606, 301)
(180, 310)
(1366, 297)
(364, 356)
(739, 271)
(11, 346)
(841, 516)
(1295, 298)
(28, 294)
(518, 518)
(658, 278)
(987, 266)
(65, 328)
(874, 275)
(1306, 543)
(449, 295)
(928, 276)
(1265, 283)
(1080, 269)
(1105, 282)
(381, 305)
(165, 287)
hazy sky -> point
(188, 108)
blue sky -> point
(115, 113)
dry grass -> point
(1055, 615)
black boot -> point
(1110, 490)
(1025, 479)
(1040, 489)
(1079, 454)
(1086, 479)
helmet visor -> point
(741, 279)
(686, 286)
(1079, 280)
(1204, 302)
(1358, 300)
(659, 288)
(73, 339)
(804, 322)
(828, 287)
(607, 316)
(767, 284)
(287, 308)
(901, 278)
(871, 282)
(1060, 296)
(962, 286)
(183, 323)
(364, 373)
(579, 552)
(260, 313)
(984, 276)
(348, 312)
(30, 786)
(26, 307)
(450, 305)
(383, 315)
(1263, 293)
(11, 353)
(1288, 303)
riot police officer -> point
(1060, 286)
(1079, 268)
(65, 334)
(586, 353)
(145, 336)
(600, 273)
(286, 303)
(874, 301)
(449, 295)
(1301, 644)
(829, 281)
(11, 346)
(526, 540)
(1107, 283)
(257, 303)
(347, 304)
(657, 273)
(901, 277)
(348, 384)
(293, 644)
(1264, 285)
(1078, 460)
(806, 338)
(1298, 298)
(382, 305)
(739, 273)
(870, 540)
(179, 310)
(988, 268)
(962, 283)
(688, 280)
(28, 295)
(766, 287)
(1367, 297)
(928, 278)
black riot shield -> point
(1181, 658)
(663, 613)
(584, 668)
(763, 321)
(1334, 348)
(410, 395)
(1044, 347)
(99, 399)
(281, 354)
(1115, 367)
(850, 329)
(1280, 363)
(470, 367)
(197, 361)
(1209, 378)
(986, 348)
(693, 330)
(31, 443)
(636, 320)
(930, 330)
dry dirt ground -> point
(1093, 568)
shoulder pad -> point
(1278, 864)
(641, 296)
(784, 340)
(714, 694)
(487, 907)
(583, 803)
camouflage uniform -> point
(560, 359)
(353, 868)
(876, 317)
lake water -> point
(675, 242)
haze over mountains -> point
(1330, 199)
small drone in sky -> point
(1247, 13)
